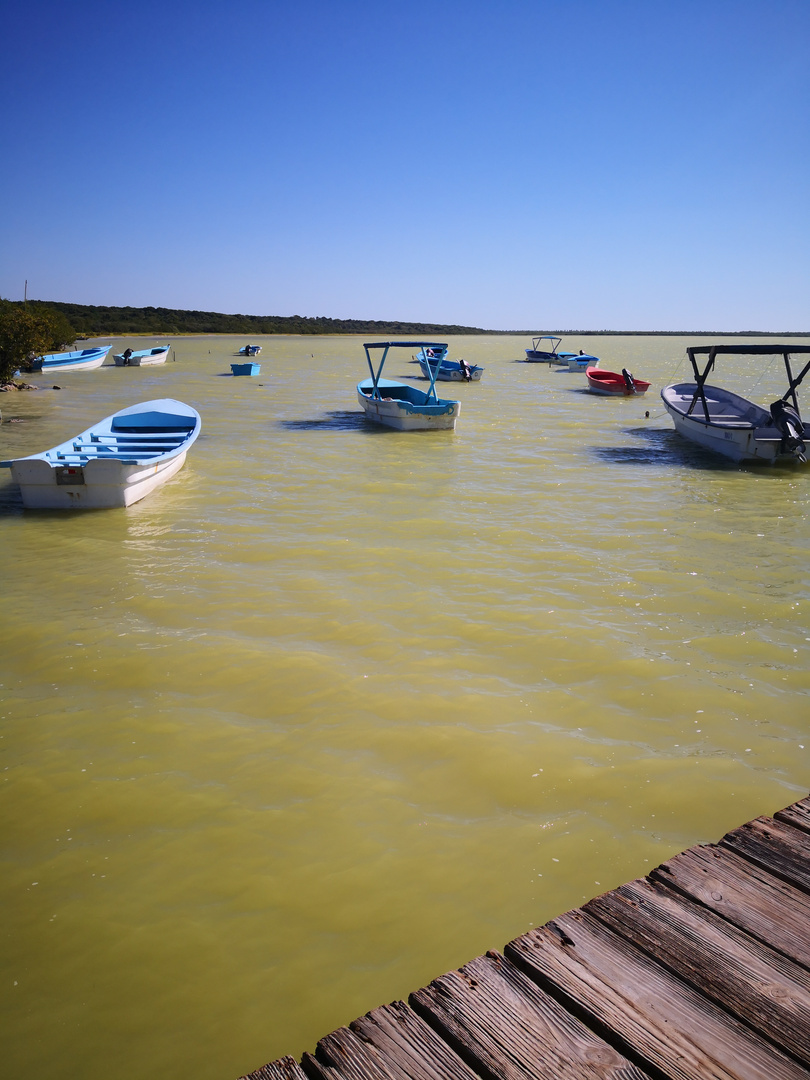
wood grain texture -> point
(746, 978)
(410, 1045)
(781, 849)
(286, 1068)
(503, 1024)
(663, 1021)
(390, 1043)
(798, 815)
(776, 913)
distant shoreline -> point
(94, 321)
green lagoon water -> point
(340, 708)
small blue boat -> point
(80, 360)
(545, 350)
(250, 350)
(400, 405)
(246, 369)
(447, 370)
(115, 462)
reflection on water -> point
(340, 707)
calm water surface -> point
(340, 708)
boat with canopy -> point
(400, 405)
(545, 350)
(731, 425)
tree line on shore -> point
(92, 321)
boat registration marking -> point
(69, 475)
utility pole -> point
(25, 296)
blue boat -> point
(115, 462)
(246, 369)
(447, 370)
(545, 350)
(401, 405)
(80, 360)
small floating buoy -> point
(647, 414)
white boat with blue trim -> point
(731, 425)
(249, 350)
(78, 360)
(116, 462)
(545, 350)
(447, 370)
(142, 357)
(400, 405)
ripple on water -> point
(340, 708)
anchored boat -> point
(78, 360)
(400, 405)
(143, 357)
(613, 384)
(250, 350)
(731, 425)
(545, 350)
(115, 462)
(447, 370)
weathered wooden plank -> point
(798, 814)
(782, 850)
(342, 1056)
(654, 1015)
(410, 1045)
(507, 1028)
(390, 1043)
(286, 1068)
(746, 978)
(767, 907)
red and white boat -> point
(615, 384)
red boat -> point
(614, 384)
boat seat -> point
(144, 433)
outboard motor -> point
(465, 367)
(787, 420)
(629, 381)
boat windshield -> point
(437, 346)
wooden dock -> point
(700, 971)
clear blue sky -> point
(511, 164)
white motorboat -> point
(142, 357)
(115, 462)
(731, 425)
(401, 405)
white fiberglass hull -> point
(80, 365)
(455, 374)
(142, 361)
(395, 414)
(737, 428)
(99, 484)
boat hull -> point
(115, 463)
(142, 359)
(82, 360)
(104, 484)
(737, 428)
(533, 357)
(407, 415)
(612, 384)
(579, 363)
(451, 371)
